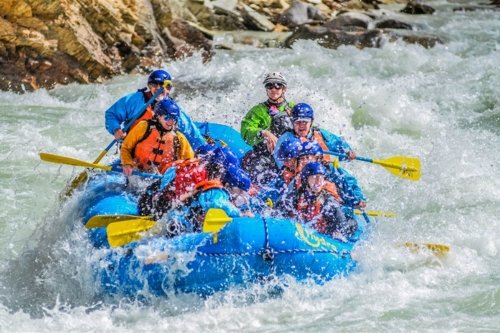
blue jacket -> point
(128, 107)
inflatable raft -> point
(245, 250)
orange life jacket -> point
(149, 113)
(318, 137)
(311, 213)
(329, 187)
(156, 149)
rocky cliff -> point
(46, 42)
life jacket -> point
(311, 213)
(148, 113)
(329, 187)
(318, 137)
(280, 120)
(157, 148)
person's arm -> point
(337, 144)
(281, 139)
(190, 130)
(351, 193)
(255, 121)
(122, 110)
(129, 144)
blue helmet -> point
(236, 177)
(310, 148)
(302, 111)
(158, 77)
(167, 108)
(289, 149)
(311, 169)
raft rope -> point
(268, 252)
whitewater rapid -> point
(441, 105)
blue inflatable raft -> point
(245, 251)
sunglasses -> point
(169, 117)
(270, 86)
(167, 84)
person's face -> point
(303, 160)
(275, 91)
(291, 164)
(301, 128)
(153, 87)
(167, 124)
(316, 183)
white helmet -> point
(275, 77)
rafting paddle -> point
(82, 177)
(401, 166)
(129, 230)
(100, 221)
(439, 250)
(375, 213)
(124, 232)
(53, 158)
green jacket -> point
(256, 120)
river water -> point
(441, 105)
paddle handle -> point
(128, 125)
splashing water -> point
(438, 104)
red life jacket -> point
(156, 149)
(191, 178)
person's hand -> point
(351, 155)
(127, 170)
(361, 205)
(270, 139)
(119, 134)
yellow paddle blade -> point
(99, 221)
(440, 250)
(124, 232)
(71, 161)
(402, 166)
(375, 213)
(215, 219)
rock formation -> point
(44, 43)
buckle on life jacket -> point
(158, 151)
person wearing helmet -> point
(302, 115)
(213, 167)
(129, 110)
(287, 154)
(153, 144)
(198, 186)
(313, 205)
(263, 124)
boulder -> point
(417, 8)
(331, 38)
(347, 20)
(300, 13)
